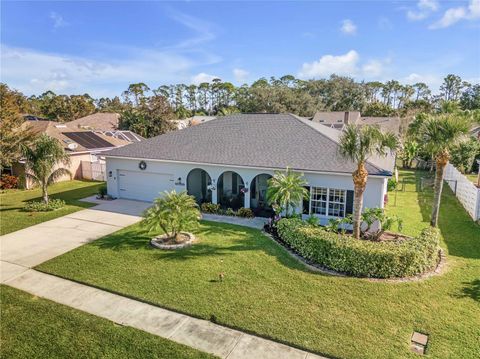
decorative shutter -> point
(306, 202)
(349, 205)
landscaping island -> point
(396, 258)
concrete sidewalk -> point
(22, 250)
(196, 333)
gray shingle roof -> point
(253, 140)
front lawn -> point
(267, 292)
(32, 327)
(12, 201)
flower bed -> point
(40, 206)
(361, 258)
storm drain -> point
(419, 343)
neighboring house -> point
(229, 160)
(104, 123)
(338, 119)
(194, 120)
(84, 148)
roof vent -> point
(72, 146)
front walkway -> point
(256, 222)
(24, 249)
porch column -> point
(247, 200)
(246, 196)
(214, 195)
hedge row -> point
(362, 258)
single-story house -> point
(105, 123)
(194, 120)
(85, 149)
(338, 119)
(230, 159)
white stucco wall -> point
(373, 197)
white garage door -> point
(143, 186)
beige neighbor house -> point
(338, 119)
(84, 147)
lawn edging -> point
(335, 254)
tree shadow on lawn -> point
(472, 290)
(243, 239)
(456, 226)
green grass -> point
(12, 201)
(267, 292)
(38, 328)
(472, 177)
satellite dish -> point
(72, 146)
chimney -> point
(345, 118)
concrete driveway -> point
(31, 246)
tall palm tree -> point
(42, 161)
(286, 190)
(358, 144)
(439, 134)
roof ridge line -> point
(337, 143)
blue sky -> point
(101, 47)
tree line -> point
(274, 95)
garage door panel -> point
(143, 186)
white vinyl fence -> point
(467, 193)
(94, 171)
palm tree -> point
(42, 159)
(286, 190)
(172, 212)
(358, 144)
(439, 134)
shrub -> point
(102, 191)
(342, 253)
(210, 208)
(36, 206)
(230, 212)
(8, 182)
(391, 184)
(245, 212)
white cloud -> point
(454, 15)
(202, 77)
(203, 31)
(433, 81)
(58, 20)
(423, 10)
(349, 64)
(34, 72)
(348, 27)
(331, 64)
(240, 75)
(373, 68)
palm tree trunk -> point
(44, 193)
(360, 177)
(442, 160)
